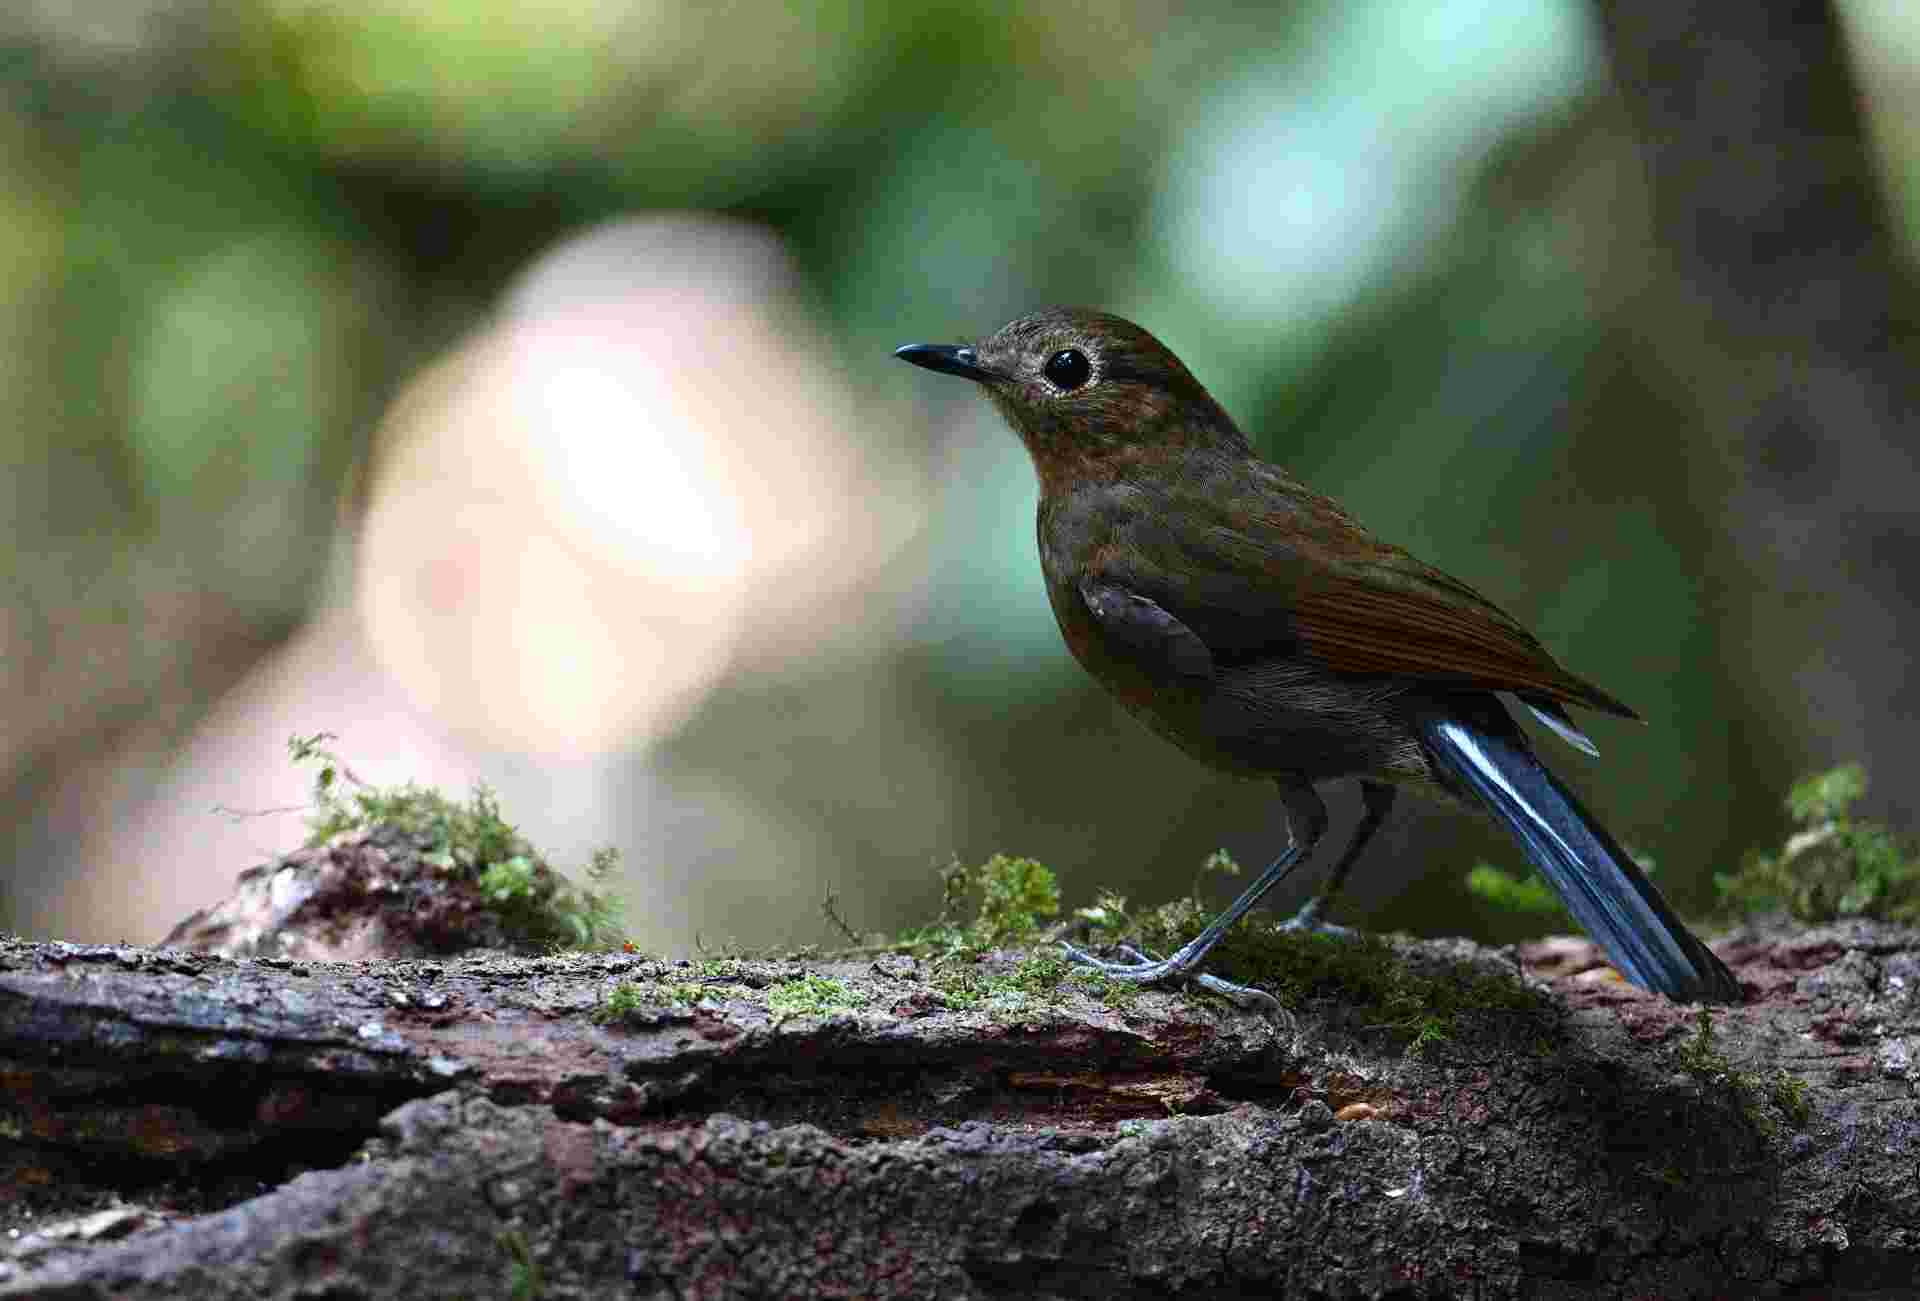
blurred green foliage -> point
(1387, 232)
(1520, 894)
(1835, 865)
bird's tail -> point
(1479, 752)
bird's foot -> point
(1143, 970)
(1308, 920)
(1147, 970)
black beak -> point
(947, 358)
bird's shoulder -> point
(1215, 517)
(1157, 499)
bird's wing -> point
(1269, 568)
(1149, 633)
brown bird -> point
(1256, 625)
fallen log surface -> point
(594, 1125)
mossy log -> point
(598, 1125)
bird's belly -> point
(1278, 717)
(1256, 718)
(1261, 737)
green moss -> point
(1718, 1078)
(1016, 895)
(524, 1282)
(1363, 971)
(630, 996)
(1366, 973)
(1833, 865)
(1117, 994)
(623, 998)
(1049, 976)
(1787, 1094)
(1045, 978)
(966, 984)
(1040, 976)
(999, 903)
(812, 995)
(1700, 1058)
(961, 983)
(472, 842)
(1429, 1032)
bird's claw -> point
(1308, 920)
(1143, 970)
(1147, 970)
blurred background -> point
(506, 389)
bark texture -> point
(618, 1126)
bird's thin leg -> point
(1378, 797)
(1306, 823)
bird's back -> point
(1316, 629)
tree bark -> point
(491, 1126)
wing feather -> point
(1263, 567)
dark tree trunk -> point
(1783, 320)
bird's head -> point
(1079, 385)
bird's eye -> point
(1067, 369)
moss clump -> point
(1040, 976)
(1833, 865)
(1009, 899)
(1699, 1057)
(1016, 895)
(630, 997)
(1117, 994)
(962, 984)
(812, 996)
(1787, 1094)
(966, 984)
(524, 1282)
(1364, 973)
(1044, 978)
(622, 999)
(472, 844)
